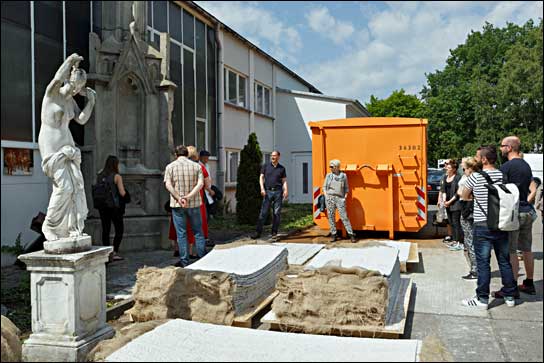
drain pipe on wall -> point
(221, 162)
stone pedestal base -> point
(68, 295)
(68, 245)
(37, 349)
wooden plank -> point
(413, 255)
(394, 331)
(244, 321)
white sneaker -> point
(474, 302)
(510, 301)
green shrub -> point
(248, 193)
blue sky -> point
(355, 49)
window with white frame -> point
(266, 157)
(263, 99)
(233, 159)
(235, 88)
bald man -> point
(517, 171)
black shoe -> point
(193, 257)
(334, 237)
(178, 264)
(470, 276)
(352, 238)
(527, 288)
(176, 254)
(256, 235)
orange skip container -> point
(385, 160)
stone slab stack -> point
(252, 268)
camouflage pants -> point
(333, 202)
(469, 244)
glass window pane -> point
(233, 167)
(267, 101)
(212, 121)
(174, 18)
(16, 77)
(241, 91)
(232, 87)
(225, 84)
(200, 69)
(188, 30)
(305, 178)
(17, 12)
(48, 56)
(188, 98)
(48, 19)
(148, 18)
(159, 16)
(97, 17)
(200, 135)
(259, 99)
(77, 30)
(175, 76)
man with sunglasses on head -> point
(517, 171)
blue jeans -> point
(179, 217)
(484, 241)
(275, 199)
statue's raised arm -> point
(61, 159)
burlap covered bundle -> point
(331, 297)
(171, 292)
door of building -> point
(301, 168)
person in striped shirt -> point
(183, 179)
(484, 239)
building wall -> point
(22, 198)
(294, 135)
(286, 81)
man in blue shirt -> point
(517, 171)
(273, 183)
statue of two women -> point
(61, 159)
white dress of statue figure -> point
(61, 159)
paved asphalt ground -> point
(498, 334)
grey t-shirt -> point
(336, 184)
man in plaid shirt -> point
(183, 179)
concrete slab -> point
(518, 339)
(468, 339)
(440, 289)
(188, 341)
(300, 253)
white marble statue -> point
(61, 159)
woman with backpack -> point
(112, 208)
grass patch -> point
(293, 217)
(17, 300)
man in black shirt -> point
(517, 171)
(273, 182)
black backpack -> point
(104, 195)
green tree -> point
(248, 192)
(398, 104)
(490, 87)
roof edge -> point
(352, 101)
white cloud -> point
(258, 25)
(407, 40)
(321, 21)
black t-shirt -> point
(517, 171)
(273, 175)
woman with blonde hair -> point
(336, 189)
(470, 165)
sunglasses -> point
(331, 166)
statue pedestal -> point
(68, 294)
(68, 245)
